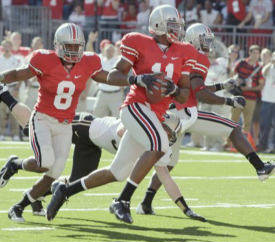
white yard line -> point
(27, 229)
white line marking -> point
(14, 147)
(217, 205)
(100, 194)
(186, 199)
(14, 142)
(27, 229)
(18, 189)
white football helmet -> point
(200, 36)
(166, 20)
(69, 42)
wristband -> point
(132, 80)
(218, 86)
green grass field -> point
(223, 187)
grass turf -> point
(220, 186)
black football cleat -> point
(8, 170)
(15, 214)
(143, 208)
(121, 209)
(37, 208)
(266, 171)
(189, 213)
(58, 198)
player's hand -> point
(169, 88)
(148, 81)
(230, 85)
(236, 102)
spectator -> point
(91, 41)
(68, 7)
(56, 7)
(91, 13)
(19, 51)
(143, 15)
(210, 16)
(265, 58)
(190, 13)
(155, 3)
(109, 15)
(8, 62)
(266, 55)
(236, 11)
(109, 98)
(117, 46)
(102, 45)
(251, 83)
(267, 113)
(233, 51)
(77, 16)
(260, 12)
(130, 17)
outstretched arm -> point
(15, 75)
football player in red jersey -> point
(62, 75)
(145, 139)
(203, 122)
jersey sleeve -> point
(129, 47)
(188, 65)
(93, 63)
(202, 65)
(38, 62)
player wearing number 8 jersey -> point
(62, 75)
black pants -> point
(86, 155)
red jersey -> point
(236, 8)
(59, 90)
(89, 7)
(201, 67)
(108, 11)
(56, 7)
(244, 70)
(146, 56)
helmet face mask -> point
(69, 42)
(206, 42)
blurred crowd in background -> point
(253, 66)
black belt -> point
(110, 91)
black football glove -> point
(169, 88)
(236, 102)
(229, 84)
(148, 81)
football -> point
(155, 95)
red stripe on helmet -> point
(74, 31)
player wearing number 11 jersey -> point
(62, 75)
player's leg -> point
(143, 125)
(212, 124)
(86, 155)
(119, 170)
